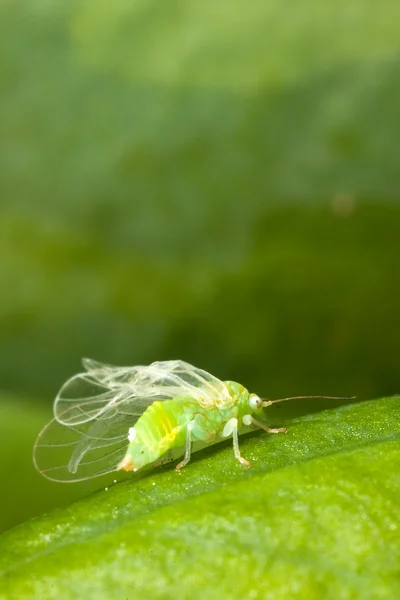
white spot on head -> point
(132, 434)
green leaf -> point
(315, 517)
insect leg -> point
(267, 429)
(188, 448)
(231, 427)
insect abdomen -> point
(161, 427)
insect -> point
(112, 418)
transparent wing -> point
(89, 449)
(110, 376)
(87, 395)
(182, 379)
(169, 373)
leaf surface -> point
(316, 516)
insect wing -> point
(88, 449)
(111, 376)
(178, 378)
(86, 396)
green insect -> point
(123, 418)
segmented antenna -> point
(269, 402)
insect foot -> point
(278, 430)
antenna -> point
(269, 402)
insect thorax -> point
(238, 393)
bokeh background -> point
(211, 181)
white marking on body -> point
(247, 420)
(229, 427)
(132, 434)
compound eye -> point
(255, 402)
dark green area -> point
(316, 516)
(312, 307)
(148, 184)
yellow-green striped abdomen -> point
(161, 427)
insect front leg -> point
(231, 427)
(250, 420)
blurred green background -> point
(211, 181)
